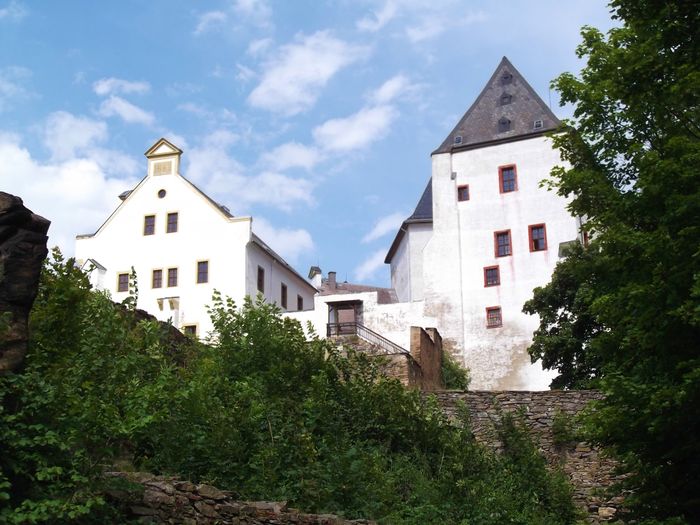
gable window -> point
(202, 272)
(149, 225)
(157, 279)
(283, 295)
(172, 223)
(538, 237)
(458, 139)
(123, 282)
(261, 279)
(300, 302)
(538, 124)
(463, 193)
(506, 99)
(506, 78)
(492, 276)
(172, 277)
(494, 319)
(507, 178)
(503, 125)
(502, 242)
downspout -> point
(453, 176)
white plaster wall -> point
(463, 244)
(392, 321)
(275, 275)
(204, 233)
(401, 270)
(419, 234)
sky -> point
(315, 117)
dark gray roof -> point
(422, 213)
(480, 124)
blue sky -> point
(316, 118)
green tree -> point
(624, 314)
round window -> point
(161, 194)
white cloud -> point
(289, 243)
(109, 86)
(256, 11)
(75, 194)
(378, 19)
(370, 265)
(356, 131)
(292, 80)
(208, 20)
(244, 73)
(390, 89)
(13, 11)
(117, 106)
(259, 46)
(290, 155)
(436, 24)
(213, 168)
(66, 135)
(387, 224)
(11, 87)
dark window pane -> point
(149, 224)
(172, 276)
(203, 272)
(157, 280)
(172, 223)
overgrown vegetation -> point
(624, 313)
(454, 375)
(260, 411)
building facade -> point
(483, 235)
(182, 246)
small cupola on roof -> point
(507, 109)
(163, 158)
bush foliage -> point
(259, 411)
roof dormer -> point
(163, 158)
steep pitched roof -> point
(422, 213)
(507, 95)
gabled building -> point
(183, 246)
(483, 235)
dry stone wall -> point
(591, 473)
(159, 499)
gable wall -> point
(204, 233)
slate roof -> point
(480, 124)
(422, 213)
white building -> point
(483, 235)
(183, 246)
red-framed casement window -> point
(502, 243)
(463, 192)
(494, 318)
(492, 276)
(507, 178)
(537, 237)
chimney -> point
(331, 281)
(315, 276)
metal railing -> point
(353, 328)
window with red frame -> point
(463, 193)
(538, 238)
(503, 246)
(494, 318)
(492, 276)
(507, 179)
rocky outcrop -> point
(22, 252)
(162, 499)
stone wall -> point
(426, 349)
(590, 472)
(159, 499)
